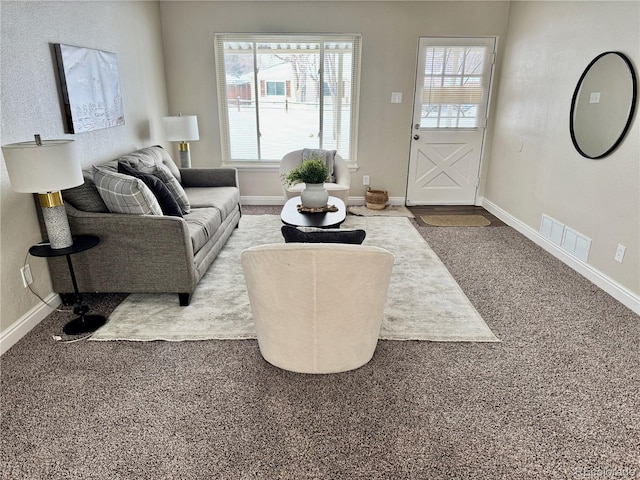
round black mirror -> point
(603, 105)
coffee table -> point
(291, 216)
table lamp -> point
(183, 129)
(45, 167)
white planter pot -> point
(314, 195)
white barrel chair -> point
(317, 307)
(339, 188)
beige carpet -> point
(388, 211)
(424, 301)
(455, 220)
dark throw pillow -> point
(294, 235)
(165, 198)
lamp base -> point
(185, 159)
(185, 155)
(84, 324)
(55, 220)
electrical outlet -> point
(365, 180)
(25, 272)
(619, 256)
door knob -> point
(416, 137)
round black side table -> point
(84, 323)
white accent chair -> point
(339, 188)
(317, 307)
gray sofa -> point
(149, 253)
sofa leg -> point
(185, 299)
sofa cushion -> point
(163, 173)
(320, 235)
(202, 224)
(85, 197)
(124, 194)
(148, 156)
(223, 198)
(165, 198)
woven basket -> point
(376, 199)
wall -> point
(389, 47)
(31, 104)
(534, 167)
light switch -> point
(595, 97)
(396, 97)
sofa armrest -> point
(209, 177)
(147, 234)
(136, 253)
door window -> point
(453, 86)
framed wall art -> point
(90, 88)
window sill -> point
(271, 166)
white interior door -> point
(449, 118)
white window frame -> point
(260, 164)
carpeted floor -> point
(557, 399)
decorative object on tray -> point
(326, 208)
(313, 173)
(314, 195)
(376, 199)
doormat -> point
(455, 220)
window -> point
(279, 93)
(275, 88)
(452, 86)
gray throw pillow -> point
(295, 235)
(85, 197)
(124, 194)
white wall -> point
(534, 167)
(31, 104)
(390, 32)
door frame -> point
(486, 120)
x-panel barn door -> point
(453, 79)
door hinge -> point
(482, 123)
(493, 58)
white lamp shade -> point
(181, 129)
(50, 167)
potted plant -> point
(313, 173)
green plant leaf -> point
(313, 170)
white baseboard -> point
(279, 200)
(613, 288)
(22, 326)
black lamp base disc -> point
(86, 324)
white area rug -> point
(424, 301)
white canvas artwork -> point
(90, 88)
